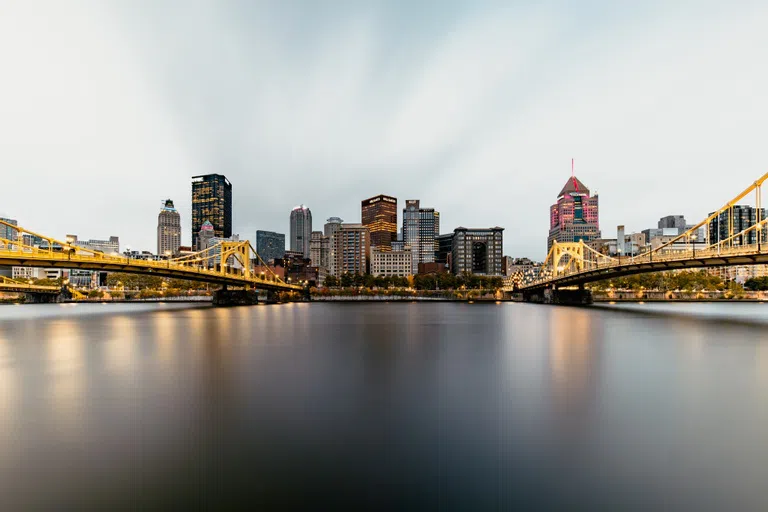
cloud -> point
(475, 108)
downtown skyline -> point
(474, 108)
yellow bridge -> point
(16, 286)
(575, 264)
(226, 263)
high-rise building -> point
(8, 232)
(316, 247)
(332, 225)
(168, 230)
(205, 236)
(270, 246)
(420, 227)
(379, 215)
(350, 246)
(301, 229)
(673, 221)
(574, 216)
(212, 202)
(740, 217)
(477, 251)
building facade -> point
(270, 246)
(391, 263)
(212, 202)
(478, 251)
(301, 229)
(420, 227)
(168, 230)
(350, 246)
(205, 236)
(8, 232)
(316, 247)
(379, 215)
(732, 221)
(106, 246)
(673, 221)
(574, 216)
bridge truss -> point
(226, 263)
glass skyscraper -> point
(379, 215)
(211, 201)
(420, 227)
(301, 229)
(270, 246)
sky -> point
(474, 107)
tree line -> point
(441, 281)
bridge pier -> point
(578, 297)
(41, 298)
(225, 297)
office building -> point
(735, 220)
(301, 229)
(420, 227)
(212, 202)
(574, 216)
(168, 230)
(443, 253)
(8, 232)
(205, 236)
(391, 263)
(673, 221)
(270, 246)
(477, 251)
(111, 246)
(332, 225)
(350, 246)
(379, 215)
(316, 248)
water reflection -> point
(574, 349)
(64, 348)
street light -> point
(693, 244)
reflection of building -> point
(477, 251)
(574, 216)
(379, 215)
(420, 227)
(573, 354)
(168, 230)
(391, 263)
(301, 229)
(349, 249)
(212, 202)
(270, 246)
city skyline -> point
(133, 102)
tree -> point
(331, 281)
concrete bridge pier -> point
(41, 298)
(226, 297)
(577, 297)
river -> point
(448, 406)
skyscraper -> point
(574, 216)
(350, 250)
(379, 215)
(7, 232)
(420, 227)
(168, 230)
(211, 201)
(477, 251)
(740, 217)
(270, 246)
(301, 229)
(673, 221)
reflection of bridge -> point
(575, 264)
(16, 286)
(226, 263)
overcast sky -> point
(476, 108)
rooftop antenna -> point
(573, 177)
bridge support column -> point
(40, 298)
(225, 297)
(578, 297)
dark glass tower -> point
(211, 201)
(379, 215)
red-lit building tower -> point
(574, 216)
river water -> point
(447, 406)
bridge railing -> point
(672, 255)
